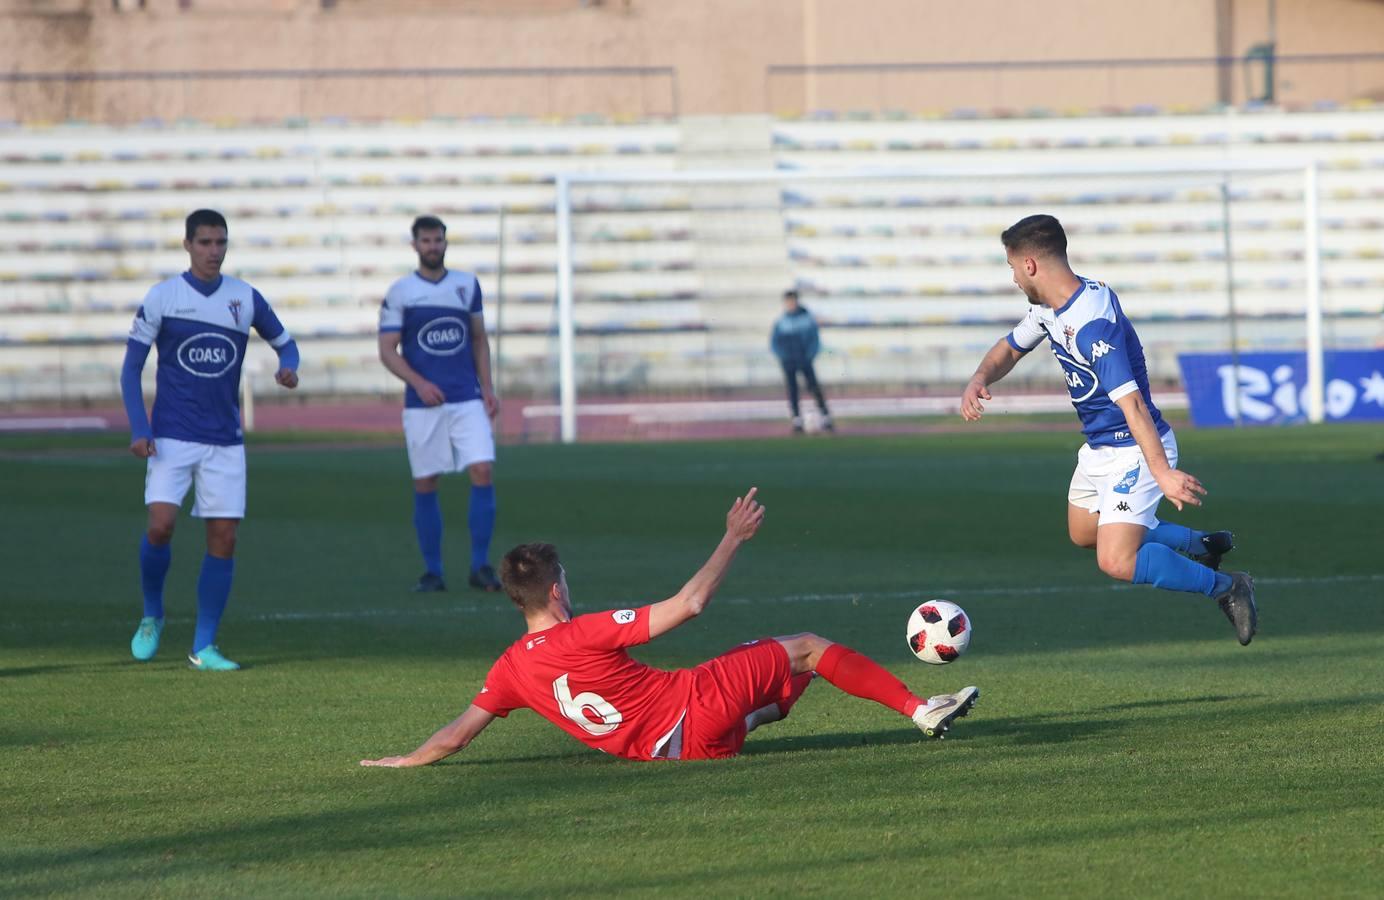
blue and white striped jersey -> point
(1100, 356)
(434, 325)
(201, 330)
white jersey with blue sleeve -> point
(201, 330)
(1100, 356)
(433, 320)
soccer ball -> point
(938, 632)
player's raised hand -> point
(287, 378)
(971, 407)
(1181, 487)
(429, 393)
(745, 516)
(142, 447)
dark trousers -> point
(790, 374)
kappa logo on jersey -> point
(1099, 349)
(445, 336)
(234, 307)
(207, 355)
(1126, 484)
(623, 616)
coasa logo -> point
(207, 355)
(443, 337)
(1081, 380)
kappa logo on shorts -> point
(1122, 507)
(623, 616)
(1127, 483)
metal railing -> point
(1057, 84)
(134, 96)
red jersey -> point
(578, 676)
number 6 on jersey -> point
(575, 708)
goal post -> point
(570, 209)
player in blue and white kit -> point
(1129, 461)
(432, 336)
(200, 321)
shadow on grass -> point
(25, 671)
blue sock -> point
(481, 518)
(213, 590)
(1161, 567)
(153, 569)
(427, 521)
(1179, 537)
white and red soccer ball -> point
(938, 632)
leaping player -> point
(1129, 462)
(575, 672)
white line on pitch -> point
(347, 615)
(954, 592)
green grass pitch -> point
(1125, 745)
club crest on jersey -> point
(234, 307)
(1069, 333)
(1127, 483)
(444, 336)
(207, 355)
(1099, 349)
(461, 295)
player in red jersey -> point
(576, 673)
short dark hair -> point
(791, 294)
(528, 573)
(200, 217)
(1041, 235)
(428, 223)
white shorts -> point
(218, 473)
(1115, 482)
(447, 438)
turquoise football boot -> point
(209, 659)
(145, 643)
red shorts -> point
(728, 688)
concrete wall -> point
(719, 51)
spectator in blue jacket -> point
(795, 343)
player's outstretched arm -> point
(743, 520)
(1178, 487)
(996, 364)
(449, 739)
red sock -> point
(861, 676)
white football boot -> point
(936, 717)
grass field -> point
(1125, 744)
